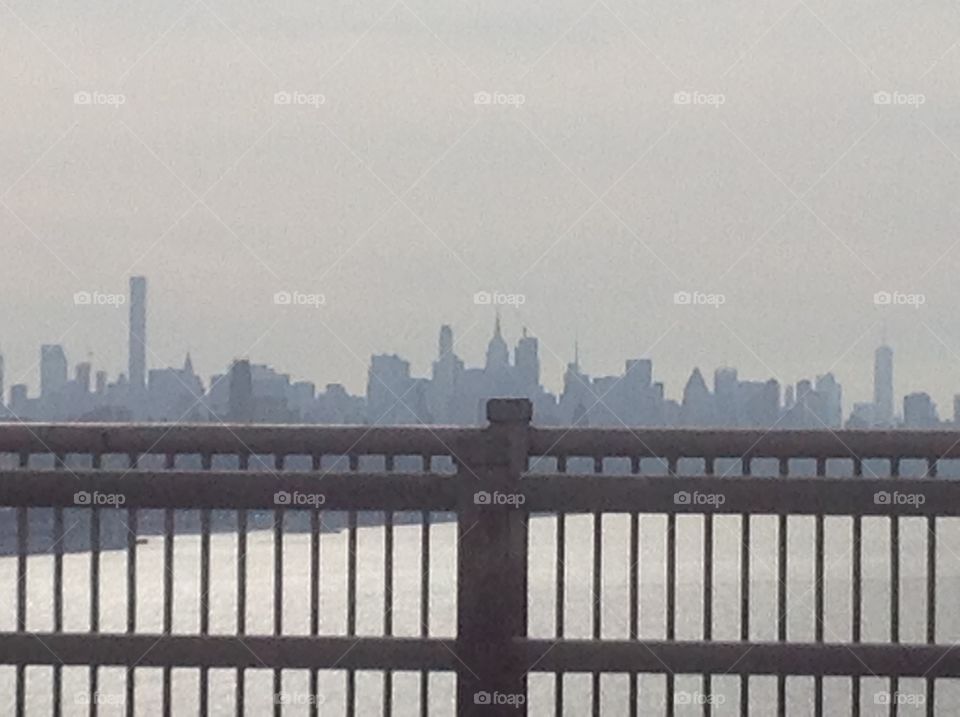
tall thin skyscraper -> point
(137, 368)
(883, 385)
(2, 394)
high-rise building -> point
(53, 369)
(498, 355)
(137, 349)
(832, 394)
(919, 411)
(883, 385)
(241, 393)
(527, 361)
(2, 394)
(82, 376)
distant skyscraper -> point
(832, 394)
(2, 394)
(498, 355)
(241, 392)
(883, 385)
(53, 369)
(527, 361)
(919, 411)
(82, 376)
(138, 334)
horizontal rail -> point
(742, 494)
(743, 658)
(737, 443)
(150, 650)
(225, 439)
(229, 490)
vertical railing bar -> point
(931, 590)
(93, 675)
(57, 604)
(388, 606)
(168, 565)
(894, 588)
(597, 589)
(782, 576)
(59, 464)
(279, 515)
(707, 679)
(560, 600)
(351, 697)
(560, 591)
(388, 595)
(241, 598)
(818, 593)
(634, 589)
(424, 604)
(857, 578)
(747, 463)
(22, 540)
(671, 587)
(132, 532)
(204, 602)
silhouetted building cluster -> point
(453, 394)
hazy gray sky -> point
(598, 198)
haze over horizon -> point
(797, 197)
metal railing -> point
(510, 499)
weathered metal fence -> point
(495, 483)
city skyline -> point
(453, 391)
